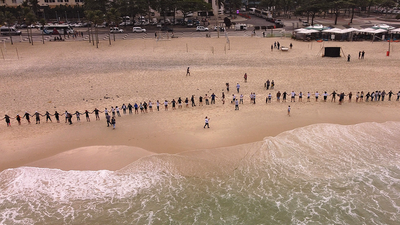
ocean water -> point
(319, 174)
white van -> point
(241, 27)
(9, 31)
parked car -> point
(220, 28)
(306, 24)
(201, 28)
(9, 31)
(115, 30)
(167, 29)
(138, 30)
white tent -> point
(334, 30)
(318, 27)
(395, 30)
(305, 31)
(372, 31)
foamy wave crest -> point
(319, 174)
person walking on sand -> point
(166, 105)
(348, 58)
(47, 114)
(278, 96)
(96, 113)
(288, 110)
(18, 118)
(37, 116)
(57, 116)
(245, 77)
(206, 122)
(78, 116)
(108, 120)
(7, 119)
(237, 87)
(87, 115)
(192, 100)
(362, 54)
(113, 122)
(188, 71)
(236, 104)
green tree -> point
(186, 6)
(387, 4)
(93, 5)
(311, 8)
(9, 19)
(162, 6)
(336, 6)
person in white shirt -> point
(117, 109)
(293, 97)
(237, 87)
(206, 122)
(316, 96)
(166, 105)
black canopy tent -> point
(332, 52)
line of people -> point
(148, 106)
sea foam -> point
(319, 174)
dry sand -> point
(77, 76)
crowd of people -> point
(145, 107)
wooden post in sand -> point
(187, 48)
(2, 54)
(225, 48)
(16, 49)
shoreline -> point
(142, 70)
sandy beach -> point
(75, 76)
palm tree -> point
(114, 16)
(109, 21)
(42, 22)
(90, 17)
(9, 19)
(30, 18)
(97, 20)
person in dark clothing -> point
(130, 108)
(96, 113)
(7, 119)
(47, 114)
(18, 118)
(27, 117)
(57, 116)
(192, 100)
(87, 116)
